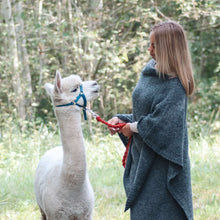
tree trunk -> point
(24, 61)
(13, 56)
(40, 46)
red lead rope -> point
(119, 125)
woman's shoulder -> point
(172, 89)
(165, 83)
(175, 84)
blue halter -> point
(76, 100)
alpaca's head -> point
(67, 89)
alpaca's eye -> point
(74, 90)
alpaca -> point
(62, 187)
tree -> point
(17, 58)
(96, 39)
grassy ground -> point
(19, 156)
(205, 164)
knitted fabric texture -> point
(157, 174)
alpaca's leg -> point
(89, 217)
(43, 216)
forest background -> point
(105, 41)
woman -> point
(157, 173)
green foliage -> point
(104, 42)
(204, 110)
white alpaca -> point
(62, 187)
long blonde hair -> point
(172, 53)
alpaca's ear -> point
(49, 88)
(57, 83)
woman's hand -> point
(126, 130)
(114, 121)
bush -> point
(204, 110)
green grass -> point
(20, 154)
(205, 163)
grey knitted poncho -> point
(157, 174)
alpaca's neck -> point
(74, 157)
